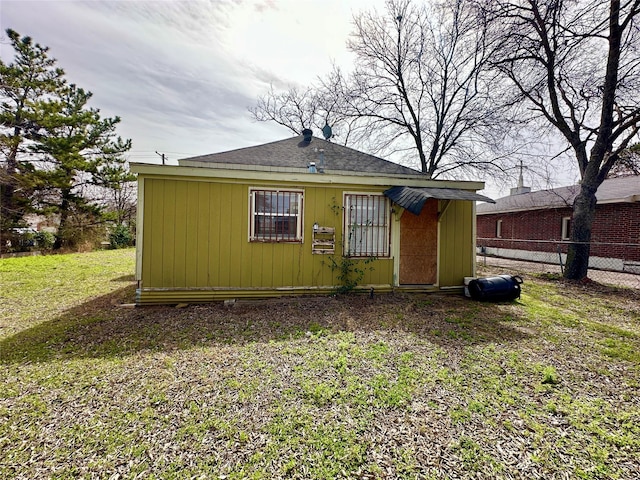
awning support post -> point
(444, 209)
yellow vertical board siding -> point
(158, 229)
(196, 236)
(148, 227)
(321, 211)
(169, 234)
(448, 256)
(382, 272)
(145, 252)
(300, 254)
(308, 274)
(377, 272)
(151, 258)
(240, 234)
(456, 232)
(201, 253)
(467, 247)
(216, 235)
(319, 201)
(180, 228)
(468, 241)
(191, 235)
(271, 268)
(259, 273)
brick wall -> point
(541, 230)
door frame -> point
(397, 211)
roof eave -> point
(274, 168)
(300, 175)
(629, 199)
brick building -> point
(537, 225)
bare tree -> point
(576, 65)
(421, 83)
(294, 109)
(312, 107)
(420, 89)
(116, 193)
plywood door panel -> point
(419, 246)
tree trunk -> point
(64, 215)
(6, 208)
(584, 208)
(9, 215)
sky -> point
(182, 75)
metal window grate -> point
(276, 216)
(367, 225)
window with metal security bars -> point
(366, 225)
(276, 216)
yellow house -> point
(298, 216)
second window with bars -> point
(366, 225)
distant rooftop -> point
(295, 153)
(613, 190)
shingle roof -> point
(613, 190)
(296, 153)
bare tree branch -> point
(420, 88)
(576, 64)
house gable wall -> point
(193, 244)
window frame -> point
(565, 232)
(276, 237)
(385, 237)
(499, 228)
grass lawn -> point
(399, 386)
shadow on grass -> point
(103, 328)
(124, 278)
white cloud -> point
(182, 74)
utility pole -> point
(161, 155)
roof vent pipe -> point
(307, 134)
(312, 167)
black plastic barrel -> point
(497, 289)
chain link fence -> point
(609, 263)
